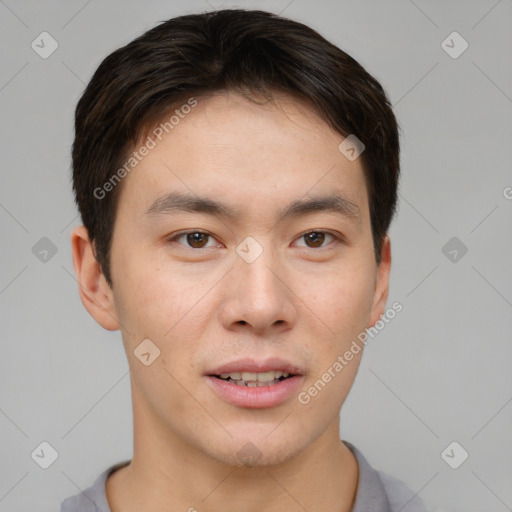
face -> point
(242, 245)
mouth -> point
(253, 379)
(256, 384)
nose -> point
(259, 297)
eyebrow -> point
(176, 202)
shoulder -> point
(94, 498)
(400, 497)
(377, 490)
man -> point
(236, 175)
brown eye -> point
(197, 240)
(318, 239)
(194, 240)
(314, 239)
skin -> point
(203, 307)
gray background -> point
(439, 372)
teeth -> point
(249, 376)
(234, 375)
(254, 383)
(253, 379)
(267, 376)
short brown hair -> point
(250, 52)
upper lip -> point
(253, 365)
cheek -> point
(341, 301)
(145, 296)
(151, 306)
(326, 390)
(163, 306)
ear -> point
(95, 293)
(380, 295)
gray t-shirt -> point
(376, 492)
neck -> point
(167, 473)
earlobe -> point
(381, 292)
(95, 294)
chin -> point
(258, 451)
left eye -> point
(315, 239)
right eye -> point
(193, 239)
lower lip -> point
(258, 397)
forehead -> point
(244, 154)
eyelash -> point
(337, 237)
